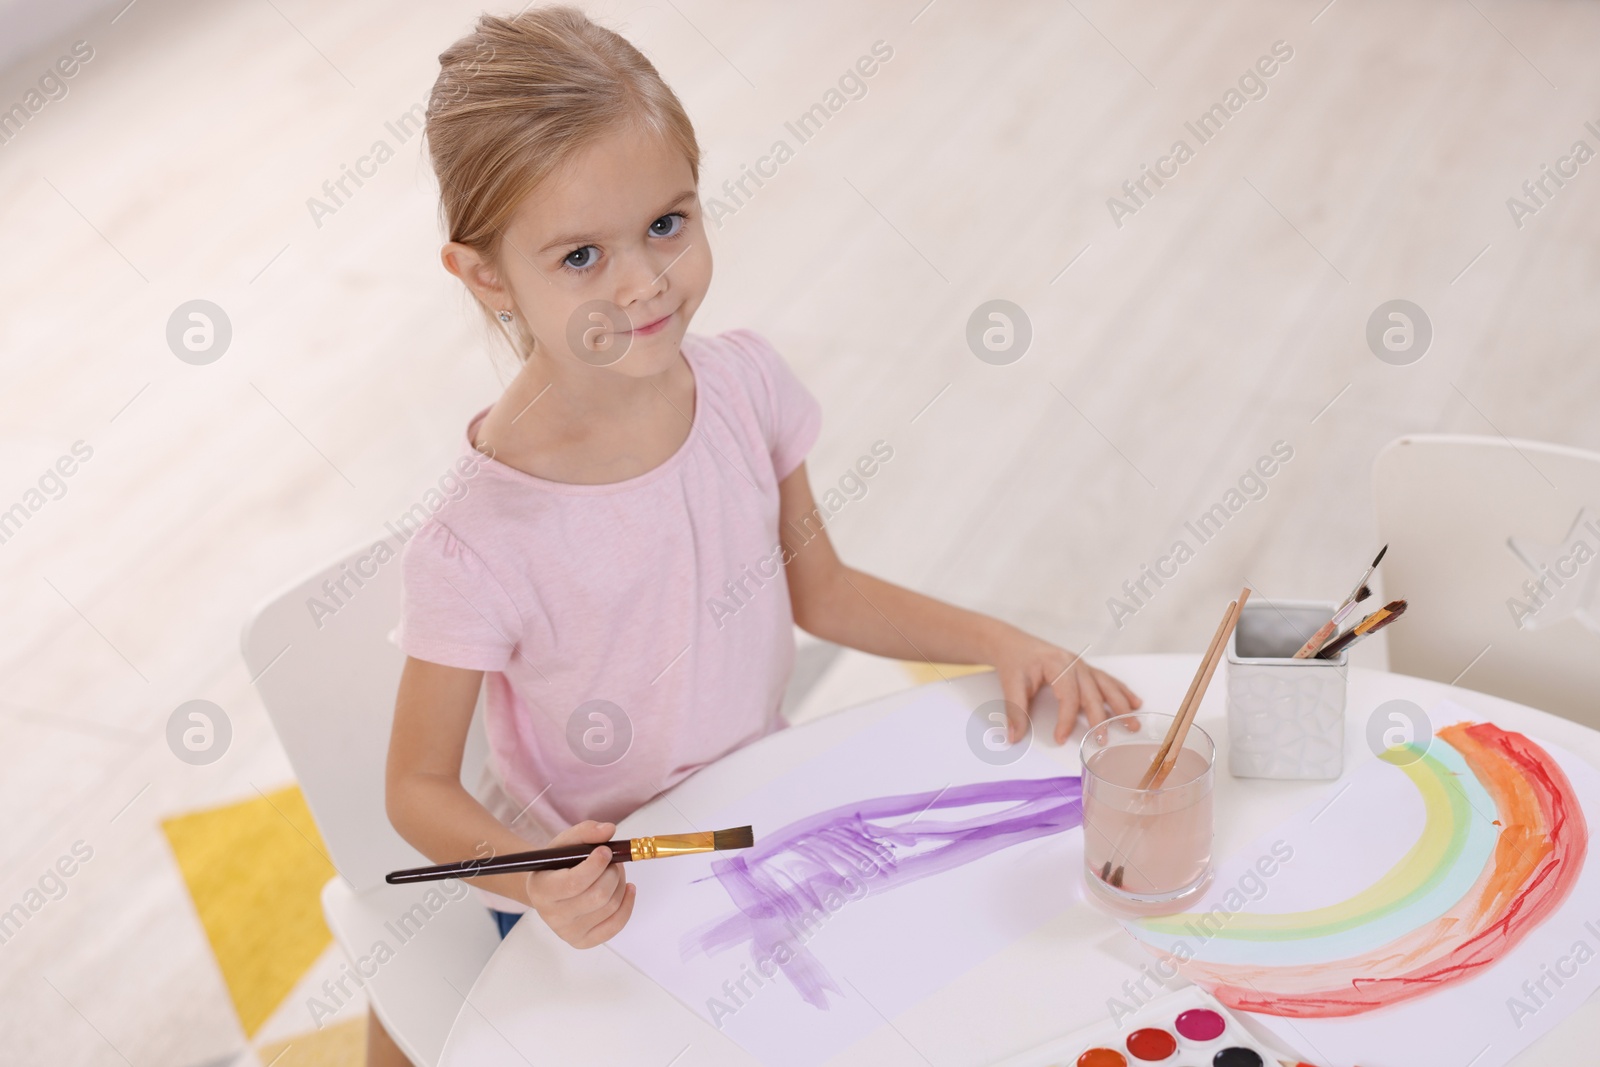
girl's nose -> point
(645, 277)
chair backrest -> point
(1495, 544)
(322, 659)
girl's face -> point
(607, 261)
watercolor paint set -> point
(1187, 1028)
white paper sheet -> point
(902, 937)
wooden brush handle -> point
(1197, 692)
(542, 859)
(1315, 641)
(1217, 640)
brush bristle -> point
(738, 837)
(1362, 593)
(1379, 558)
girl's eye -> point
(672, 229)
(580, 258)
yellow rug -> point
(255, 871)
(338, 1045)
(923, 673)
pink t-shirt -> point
(631, 632)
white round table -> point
(540, 1001)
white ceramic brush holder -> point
(1285, 715)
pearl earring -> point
(505, 316)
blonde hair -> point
(519, 97)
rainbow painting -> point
(1503, 842)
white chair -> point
(328, 676)
(1474, 525)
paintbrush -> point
(1344, 613)
(1315, 641)
(1363, 629)
(1333, 624)
(1166, 757)
(551, 859)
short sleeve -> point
(791, 417)
(453, 610)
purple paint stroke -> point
(797, 876)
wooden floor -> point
(1168, 354)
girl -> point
(611, 574)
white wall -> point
(27, 25)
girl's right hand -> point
(585, 905)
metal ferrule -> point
(649, 848)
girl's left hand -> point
(1025, 663)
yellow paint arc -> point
(1446, 820)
